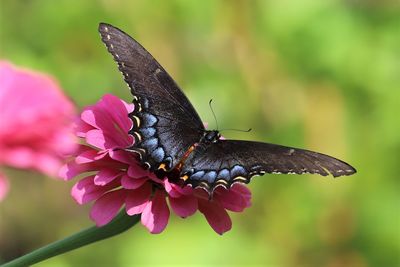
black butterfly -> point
(171, 140)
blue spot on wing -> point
(197, 176)
(147, 132)
(238, 171)
(148, 120)
(150, 144)
(224, 174)
(158, 154)
(210, 176)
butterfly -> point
(172, 141)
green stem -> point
(121, 223)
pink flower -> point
(35, 122)
(115, 179)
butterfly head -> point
(211, 136)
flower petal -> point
(107, 207)
(95, 117)
(109, 116)
(183, 206)
(137, 200)
(156, 213)
(71, 169)
(123, 156)
(135, 171)
(85, 190)
(96, 138)
(216, 216)
(132, 183)
(81, 127)
(105, 176)
(170, 190)
(175, 190)
(86, 156)
(118, 109)
(236, 199)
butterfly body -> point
(171, 140)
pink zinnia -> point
(116, 179)
(35, 122)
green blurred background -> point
(323, 75)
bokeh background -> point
(323, 75)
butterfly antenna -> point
(238, 130)
(212, 110)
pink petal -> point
(20, 157)
(107, 207)
(136, 171)
(242, 190)
(236, 199)
(118, 110)
(110, 117)
(137, 200)
(128, 106)
(71, 169)
(95, 117)
(128, 182)
(123, 156)
(85, 190)
(86, 156)
(47, 163)
(3, 186)
(175, 190)
(184, 206)
(65, 142)
(216, 216)
(170, 190)
(81, 127)
(156, 213)
(105, 176)
(96, 138)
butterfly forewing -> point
(165, 122)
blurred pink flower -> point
(116, 179)
(35, 122)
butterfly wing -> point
(165, 122)
(229, 161)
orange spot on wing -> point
(162, 167)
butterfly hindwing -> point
(165, 122)
(229, 161)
